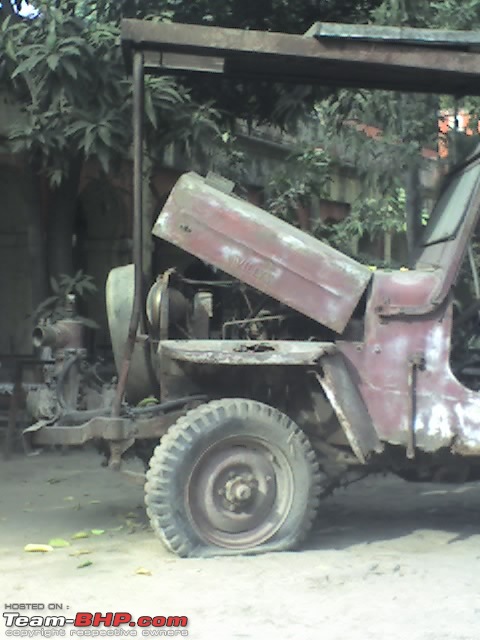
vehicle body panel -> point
(263, 251)
(437, 410)
(342, 391)
(246, 352)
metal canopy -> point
(418, 60)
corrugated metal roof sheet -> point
(462, 40)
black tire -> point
(233, 476)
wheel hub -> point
(240, 489)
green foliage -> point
(411, 13)
(56, 306)
(66, 67)
(304, 175)
(227, 159)
(455, 14)
(75, 106)
(371, 218)
(382, 215)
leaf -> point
(26, 66)
(54, 285)
(105, 136)
(80, 534)
(58, 543)
(80, 552)
(90, 286)
(97, 532)
(87, 563)
(149, 109)
(141, 571)
(37, 548)
(71, 69)
(89, 138)
(146, 402)
(52, 61)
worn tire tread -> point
(182, 435)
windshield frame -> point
(440, 209)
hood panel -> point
(259, 249)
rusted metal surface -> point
(447, 414)
(416, 363)
(64, 334)
(263, 251)
(235, 491)
(115, 429)
(425, 287)
(342, 392)
(412, 293)
(246, 352)
(339, 61)
(137, 316)
(249, 321)
(410, 313)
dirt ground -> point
(387, 559)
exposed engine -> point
(204, 303)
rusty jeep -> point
(275, 367)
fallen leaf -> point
(42, 548)
(80, 534)
(146, 402)
(58, 543)
(97, 532)
(80, 552)
(69, 498)
(87, 563)
(94, 502)
(141, 571)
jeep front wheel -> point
(233, 476)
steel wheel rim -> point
(239, 492)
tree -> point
(65, 70)
(388, 163)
